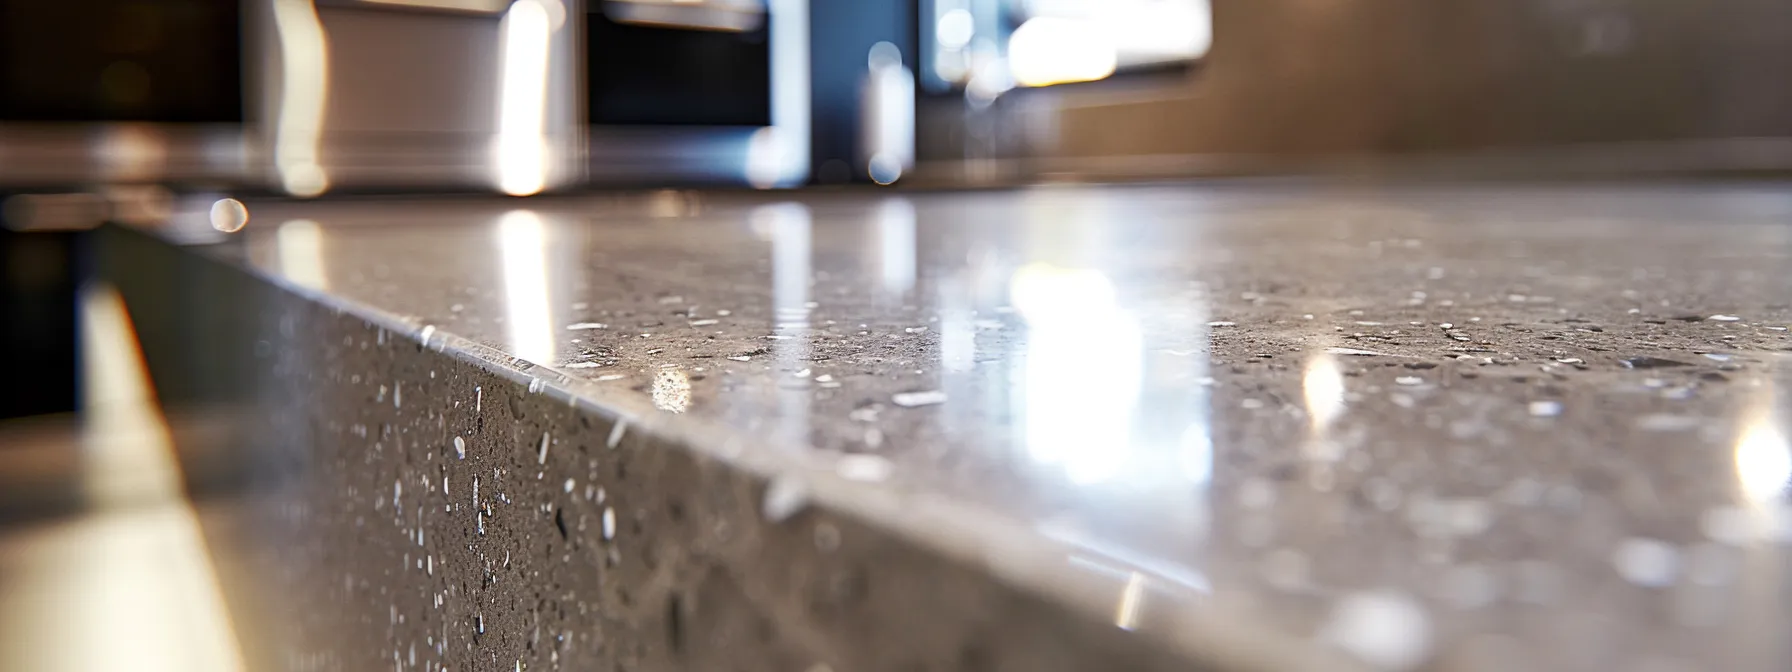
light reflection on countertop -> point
(1490, 409)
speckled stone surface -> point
(1440, 427)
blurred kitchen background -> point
(145, 111)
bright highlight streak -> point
(1084, 369)
(1763, 461)
(778, 155)
(1126, 613)
(521, 151)
(134, 574)
(300, 245)
(1049, 50)
(1323, 386)
(522, 242)
(304, 87)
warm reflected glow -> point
(521, 150)
(1763, 460)
(1323, 386)
(300, 246)
(130, 585)
(1049, 50)
(1083, 371)
(304, 85)
(132, 151)
(672, 391)
(1126, 613)
(522, 242)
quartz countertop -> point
(1465, 427)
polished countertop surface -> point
(1450, 427)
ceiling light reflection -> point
(300, 245)
(789, 226)
(1763, 460)
(896, 245)
(1082, 372)
(1323, 386)
(522, 246)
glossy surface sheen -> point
(1479, 427)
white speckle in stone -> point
(1546, 409)
(785, 496)
(1410, 380)
(616, 434)
(1718, 357)
(541, 453)
(478, 400)
(609, 523)
(1387, 630)
(741, 358)
(824, 378)
(1649, 563)
(913, 399)
(1354, 352)
(703, 323)
(397, 394)
(460, 448)
(428, 331)
(569, 484)
(1222, 324)
(864, 468)
(586, 326)
(1724, 318)
(583, 365)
